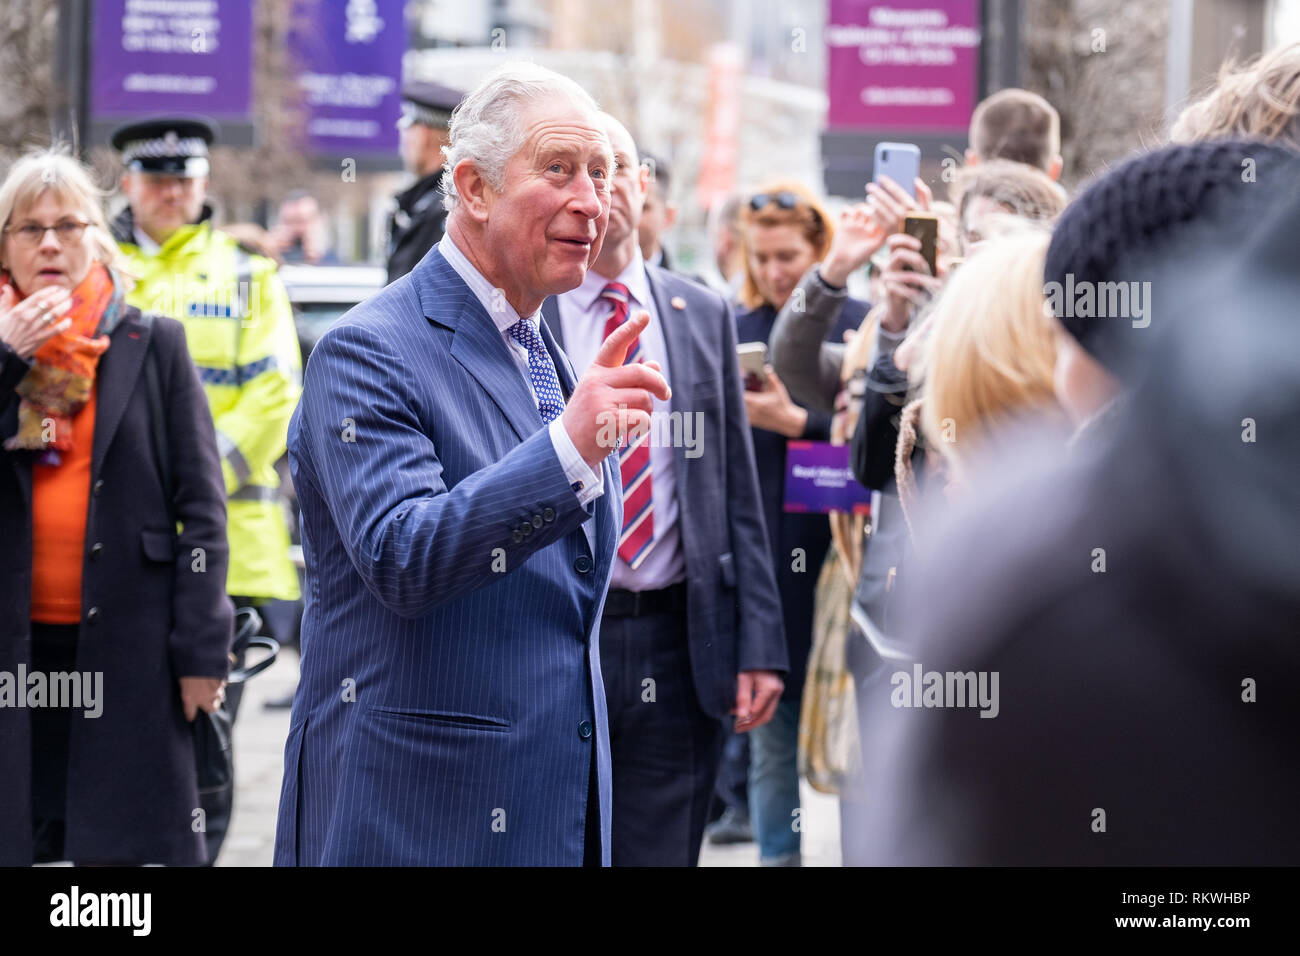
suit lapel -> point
(681, 366)
(118, 371)
(476, 343)
(563, 367)
(551, 317)
(568, 381)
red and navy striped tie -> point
(638, 535)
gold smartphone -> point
(925, 227)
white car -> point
(321, 294)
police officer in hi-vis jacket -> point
(241, 335)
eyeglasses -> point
(32, 234)
(783, 200)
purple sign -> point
(902, 66)
(349, 57)
(172, 56)
(818, 479)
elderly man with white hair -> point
(460, 520)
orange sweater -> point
(60, 500)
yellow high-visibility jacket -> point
(240, 330)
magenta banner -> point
(903, 65)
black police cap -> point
(429, 104)
(175, 146)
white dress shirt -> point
(147, 245)
(582, 316)
(587, 482)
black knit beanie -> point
(1192, 199)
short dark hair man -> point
(1018, 125)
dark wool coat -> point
(149, 616)
(787, 531)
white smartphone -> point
(901, 162)
(753, 360)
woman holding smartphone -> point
(784, 232)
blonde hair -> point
(1259, 99)
(809, 217)
(53, 170)
(991, 352)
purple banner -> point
(902, 66)
(349, 57)
(172, 56)
(818, 479)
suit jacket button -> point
(584, 729)
(548, 515)
(537, 521)
(92, 615)
(526, 529)
(516, 536)
(96, 550)
(582, 564)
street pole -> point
(70, 118)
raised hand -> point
(26, 326)
(613, 400)
(857, 238)
(908, 282)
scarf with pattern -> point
(61, 378)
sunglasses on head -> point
(783, 200)
(786, 200)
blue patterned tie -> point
(550, 400)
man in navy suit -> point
(459, 521)
(692, 630)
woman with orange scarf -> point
(114, 625)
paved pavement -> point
(259, 763)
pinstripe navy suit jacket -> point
(451, 692)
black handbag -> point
(213, 757)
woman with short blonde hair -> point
(53, 172)
(988, 360)
(107, 447)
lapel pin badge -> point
(678, 302)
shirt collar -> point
(147, 245)
(633, 276)
(502, 312)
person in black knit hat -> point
(1136, 601)
(1098, 278)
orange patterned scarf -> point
(62, 375)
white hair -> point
(486, 129)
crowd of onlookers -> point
(1027, 348)
(1076, 419)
